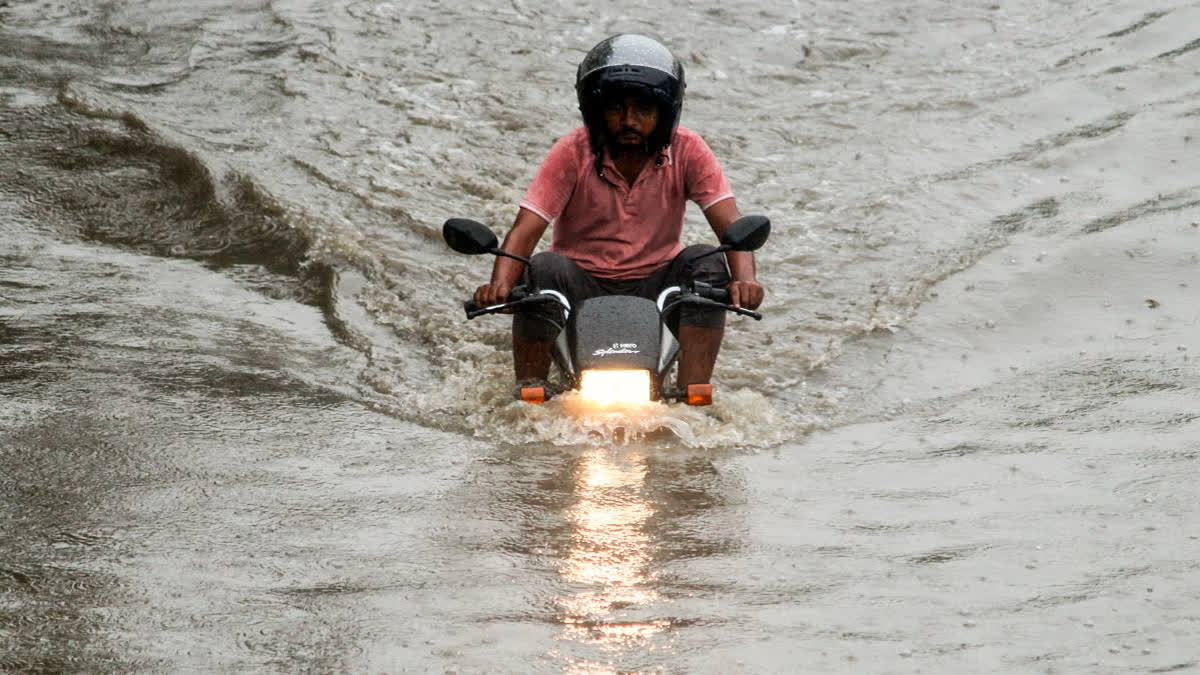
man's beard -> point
(620, 143)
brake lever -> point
(696, 299)
(745, 312)
(472, 310)
(522, 298)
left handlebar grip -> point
(515, 296)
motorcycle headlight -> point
(607, 387)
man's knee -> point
(540, 323)
(549, 270)
(705, 265)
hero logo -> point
(618, 348)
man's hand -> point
(745, 294)
(492, 293)
(506, 272)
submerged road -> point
(243, 426)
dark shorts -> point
(551, 271)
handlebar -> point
(518, 296)
(697, 299)
(703, 295)
(708, 296)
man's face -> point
(630, 120)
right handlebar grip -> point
(714, 293)
(719, 294)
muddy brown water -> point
(243, 426)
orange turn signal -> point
(699, 394)
(533, 394)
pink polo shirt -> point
(613, 230)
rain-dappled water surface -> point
(243, 425)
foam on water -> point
(476, 396)
(737, 419)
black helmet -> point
(628, 62)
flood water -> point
(244, 426)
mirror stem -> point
(506, 254)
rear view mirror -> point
(468, 236)
(747, 233)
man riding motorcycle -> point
(615, 190)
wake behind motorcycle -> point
(614, 348)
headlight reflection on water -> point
(611, 553)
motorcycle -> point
(614, 348)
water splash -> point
(739, 418)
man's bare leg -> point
(531, 360)
(698, 347)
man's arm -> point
(521, 240)
(744, 289)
